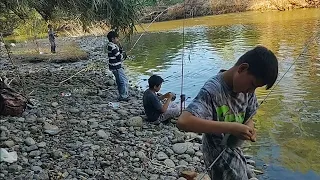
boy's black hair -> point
(112, 34)
(263, 64)
(155, 80)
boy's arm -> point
(250, 112)
(199, 118)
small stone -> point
(14, 168)
(132, 154)
(169, 151)
(95, 147)
(73, 121)
(122, 129)
(135, 121)
(103, 134)
(43, 175)
(181, 148)
(54, 104)
(51, 129)
(34, 153)
(183, 163)
(199, 154)
(41, 144)
(138, 170)
(9, 143)
(84, 122)
(57, 154)
(195, 159)
(169, 163)
(141, 155)
(21, 119)
(3, 128)
(74, 110)
(161, 156)
(36, 168)
(110, 82)
(154, 177)
(31, 148)
(29, 141)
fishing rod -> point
(231, 141)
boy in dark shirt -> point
(156, 111)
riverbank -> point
(77, 129)
(196, 8)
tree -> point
(120, 15)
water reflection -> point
(288, 122)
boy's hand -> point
(168, 95)
(250, 123)
(242, 131)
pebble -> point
(169, 163)
(29, 141)
(36, 168)
(42, 144)
(161, 156)
(14, 168)
(181, 148)
(135, 121)
(54, 104)
(103, 134)
(35, 153)
(9, 143)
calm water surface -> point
(288, 123)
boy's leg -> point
(172, 111)
(122, 83)
(116, 75)
(53, 46)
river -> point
(288, 123)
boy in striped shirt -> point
(116, 56)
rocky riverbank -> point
(77, 130)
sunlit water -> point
(288, 122)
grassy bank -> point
(39, 51)
(194, 8)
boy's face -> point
(157, 88)
(115, 40)
(244, 82)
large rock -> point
(135, 121)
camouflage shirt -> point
(217, 102)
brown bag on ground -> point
(12, 103)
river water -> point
(288, 123)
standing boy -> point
(116, 56)
(51, 36)
(223, 106)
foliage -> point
(118, 14)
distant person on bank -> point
(51, 36)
